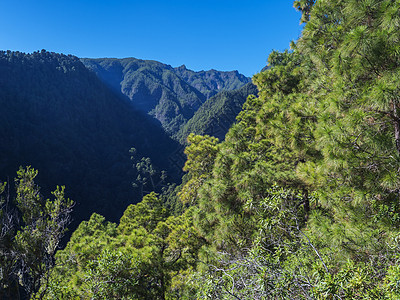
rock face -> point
(171, 95)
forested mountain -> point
(301, 199)
(211, 82)
(60, 118)
(217, 114)
(171, 95)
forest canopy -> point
(299, 201)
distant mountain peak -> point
(182, 67)
(171, 95)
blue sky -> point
(202, 34)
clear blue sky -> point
(202, 34)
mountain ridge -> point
(171, 95)
(217, 114)
(60, 118)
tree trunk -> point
(306, 203)
(396, 121)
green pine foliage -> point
(325, 127)
(300, 200)
(146, 256)
(31, 228)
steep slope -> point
(212, 82)
(60, 118)
(171, 95)
(152, 87)
(217, 114)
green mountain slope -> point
(171, 95)
(60, 118)
(217, 114)
(212, 82)
(300, 200)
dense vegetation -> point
(31, 228)
(171, 95)
(300, 200)
(60, 118)
(211, 82)
(217, 114)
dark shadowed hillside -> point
(60, 118)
